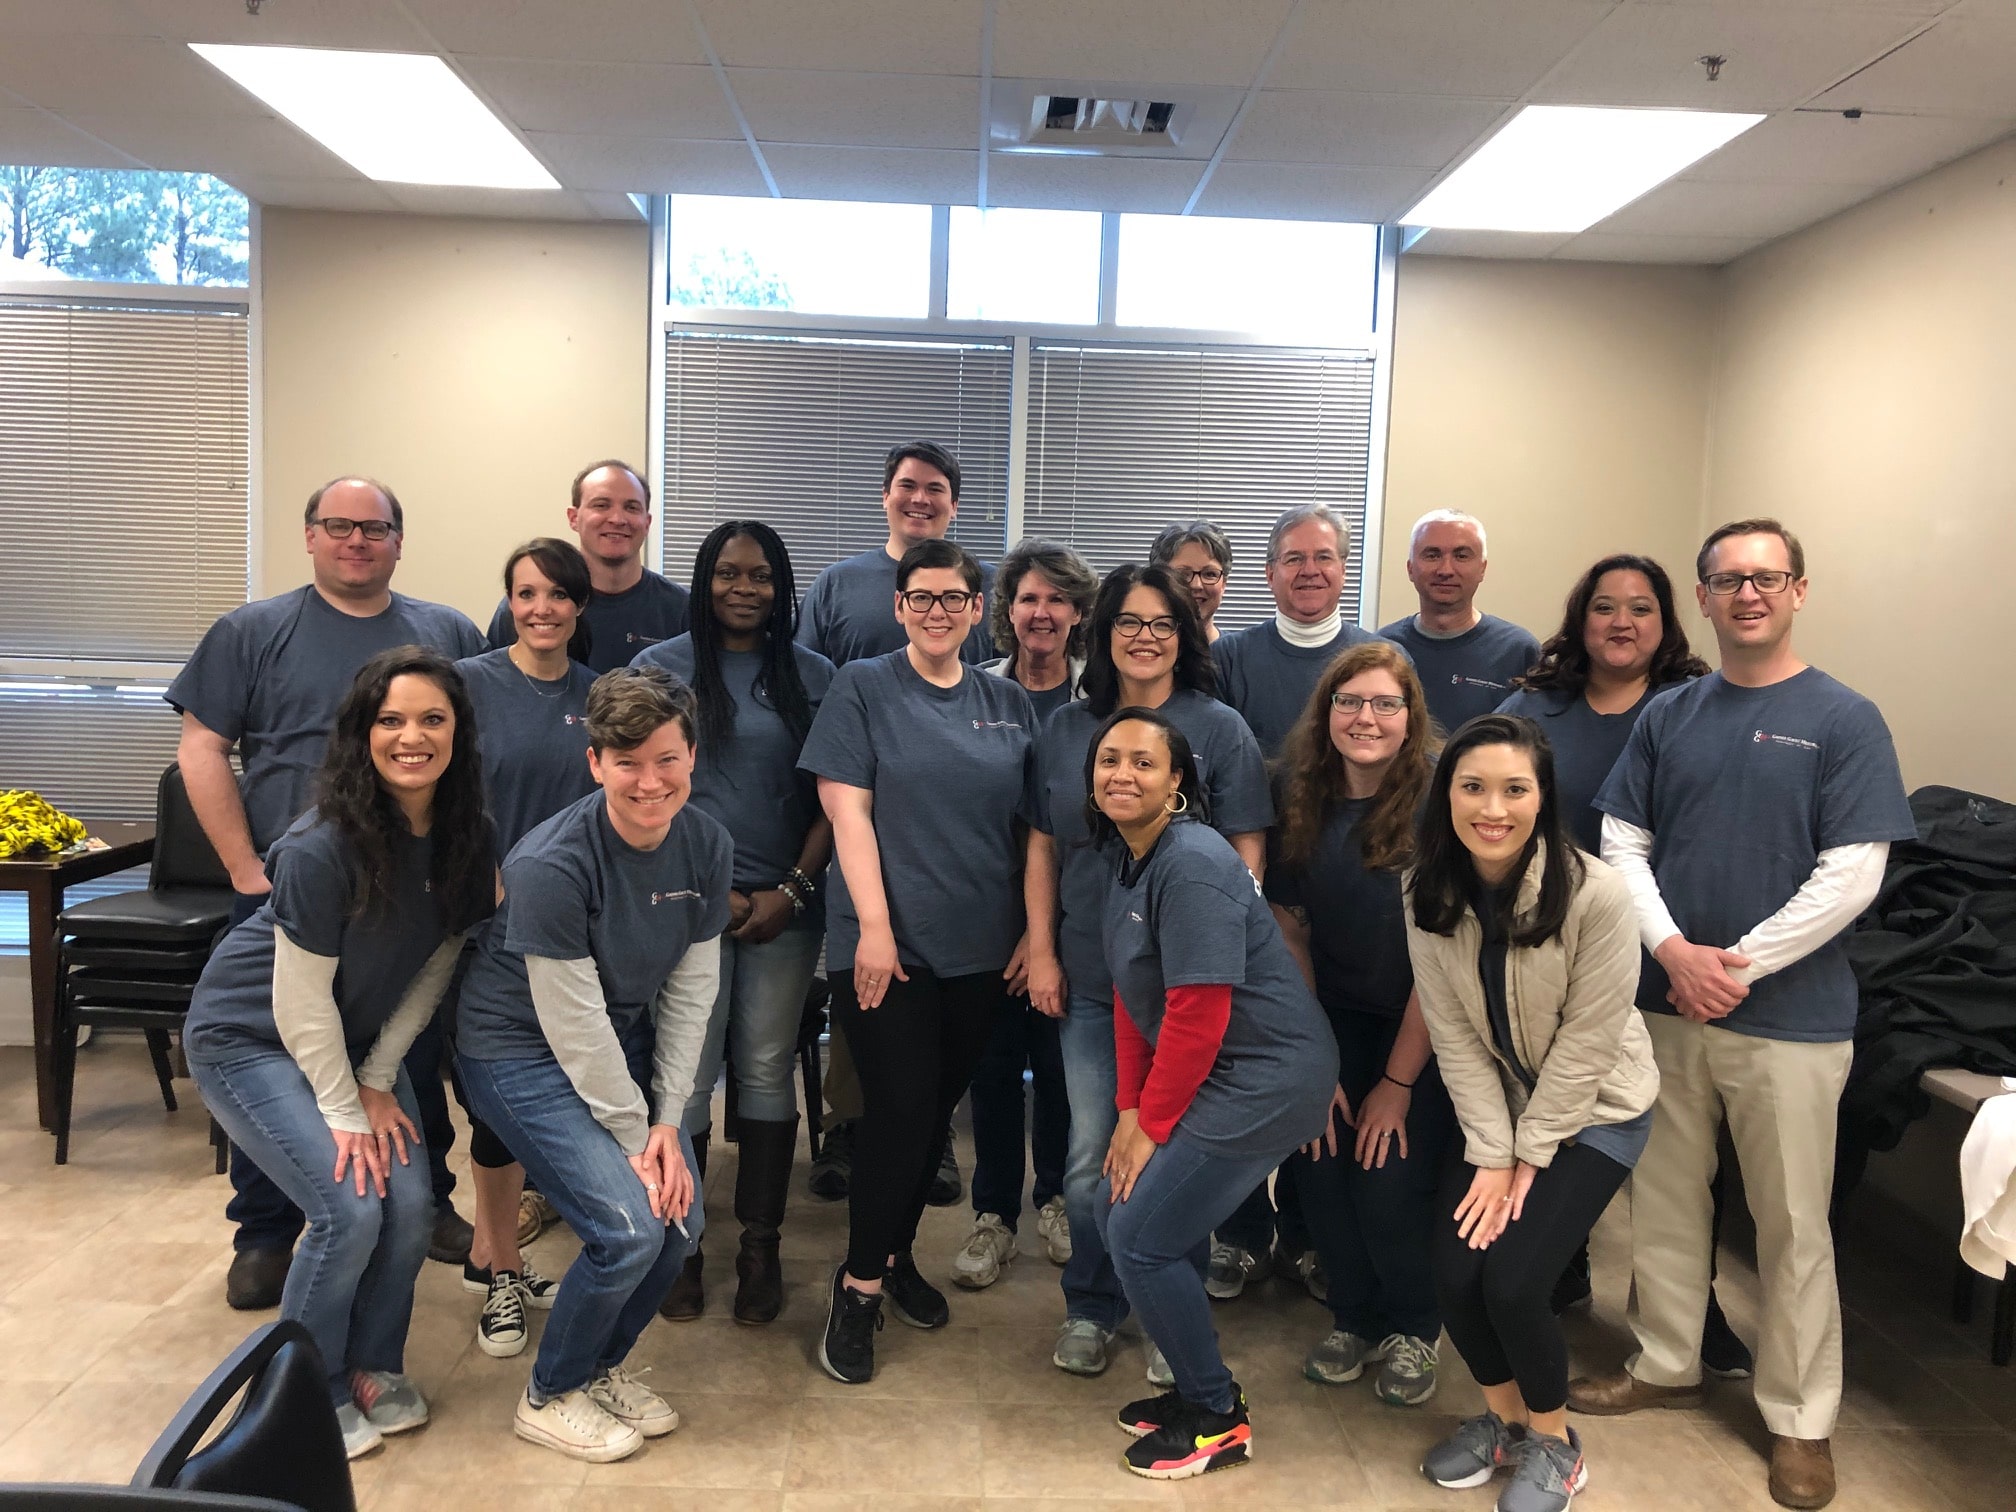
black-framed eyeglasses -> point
(1131, 625)
(1726, 583)
(1384, 704)
(1210, 577)
(338, 529)
(954, 601)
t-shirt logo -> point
(633, 638)
(1135, 918)
(672, 897)
(1764, 737)
(573, 719)
(995, 724)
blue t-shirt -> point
(1189, 914)
(1357, 924)
(951, 770)
(534, 736)
(1469, 674)
(619, 624)
(849, 612)
(1742, 788)
(1269, 681)
(752, 783)
(1234, 777)
(314, 898)
(576, 890)
(270, 676)
(1586, 746)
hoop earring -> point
(1180, 806)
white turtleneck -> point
(1321, 633)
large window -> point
(1024, 265)
(122, 227)
(1300, 281)
(826, 256)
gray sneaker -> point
(1338, 1358)
(1479, 1448)
(990, 1246)
(1231, 1268)
(1546, 1473)
(1407, 1378)
(1081, 1347)
(1160, 1376)
(359, 1437)
(390, 1402)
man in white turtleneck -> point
(1267, 671)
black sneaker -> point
(835, 1165)
(946, 1187)
(256, 1278)
(913, 1299)
(1722, 1353)
(847, 1348)
(1193, 1440)
(1149, 1414)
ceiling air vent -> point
(1091, 122)
(1103, 118)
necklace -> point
(533, 682)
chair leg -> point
(2002, 1346)
(808, 1066)
(221, 1143)
(65, 1067)
(164, 1072)
(1963, 1292)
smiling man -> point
(632, 607)
(1466, 659)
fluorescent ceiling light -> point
(1566, 167)
(400, 118)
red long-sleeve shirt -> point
(1161, 1080)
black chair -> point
(68, 1497)
(131, 960)
(283, 1442)
(811, 1026)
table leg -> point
(45, 902)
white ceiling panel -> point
(353, 193)
(110, 73)
(99, 18)
(1920, 8)
(1824, 147)
(903, 175)
(1687, 208)
(258, 145)
(1484, 49)
(1515, 244)
(33, 138)
(382, 25)
(1606, 246)
(1311, 191)
(649, 165)
(1361, 130)
(512, 204)
(1150, 41)
(1154, 186)
(858, 110)
(1648, 55)
(1965, 65)
(873, 36)
(592, 31)
(607, 99)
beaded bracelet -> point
(806, 885)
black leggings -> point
(915, 1055)
(1495, 1300)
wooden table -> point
(43, 879)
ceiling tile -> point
(1824, 147)
(105, 18)
(1687, 208)
(607, 99)
(1486, 244)
(1965, 65)
(1363, 130)
(508, 204)
(1892, 7)
(1648, 55)
(903, 175)
(858, 109)
(1145, 41)
(597, 32)
(1155, 186)
(32, 138)
(1484, 49)
(1605, 246)
(1312, 191)
(875, 36)
(110, 73)
(649, 165)
(382, 25)
(353, 193)
(615, 207)
(260, 145)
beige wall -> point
(474, 365)
(1561, 403)
(1866, 375)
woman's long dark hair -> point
(369, 821)
(1445, 873)
(1564, 661)
(567, 570)
(778, 684)
(1313, 769)
(1181, 760)
(1194, 669)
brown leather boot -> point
(1620, 1392)
(1802, 1472)
(762, 1182)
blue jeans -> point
(756, 1018)
(1160, 1240)
(629, 1259)
(351, 1284)
(1091, 1080)
(1023, 1039)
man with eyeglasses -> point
(631, 607)
(1751, 815)
(1199, 555)
(1467, 659)
(267, 679)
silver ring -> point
(650, 1186)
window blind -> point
(792, 430)
(123, 458)
(93, 752)
(1123, 440)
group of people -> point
(1377, 961)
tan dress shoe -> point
(1620, 1392)
(1802, 1472)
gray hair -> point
(1065, 569)
(1171, 539)
(1449, 517)
(1302, 514)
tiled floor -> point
(111, 1310)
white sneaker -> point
(1160, 1376)
(1055, 1230)
(578, 1426)
(990, 1246)
(622, 1395)
(359, 1437)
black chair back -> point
(70, 1497)
(183, 854)
(283, 1441)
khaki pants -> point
(1781, 1099)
